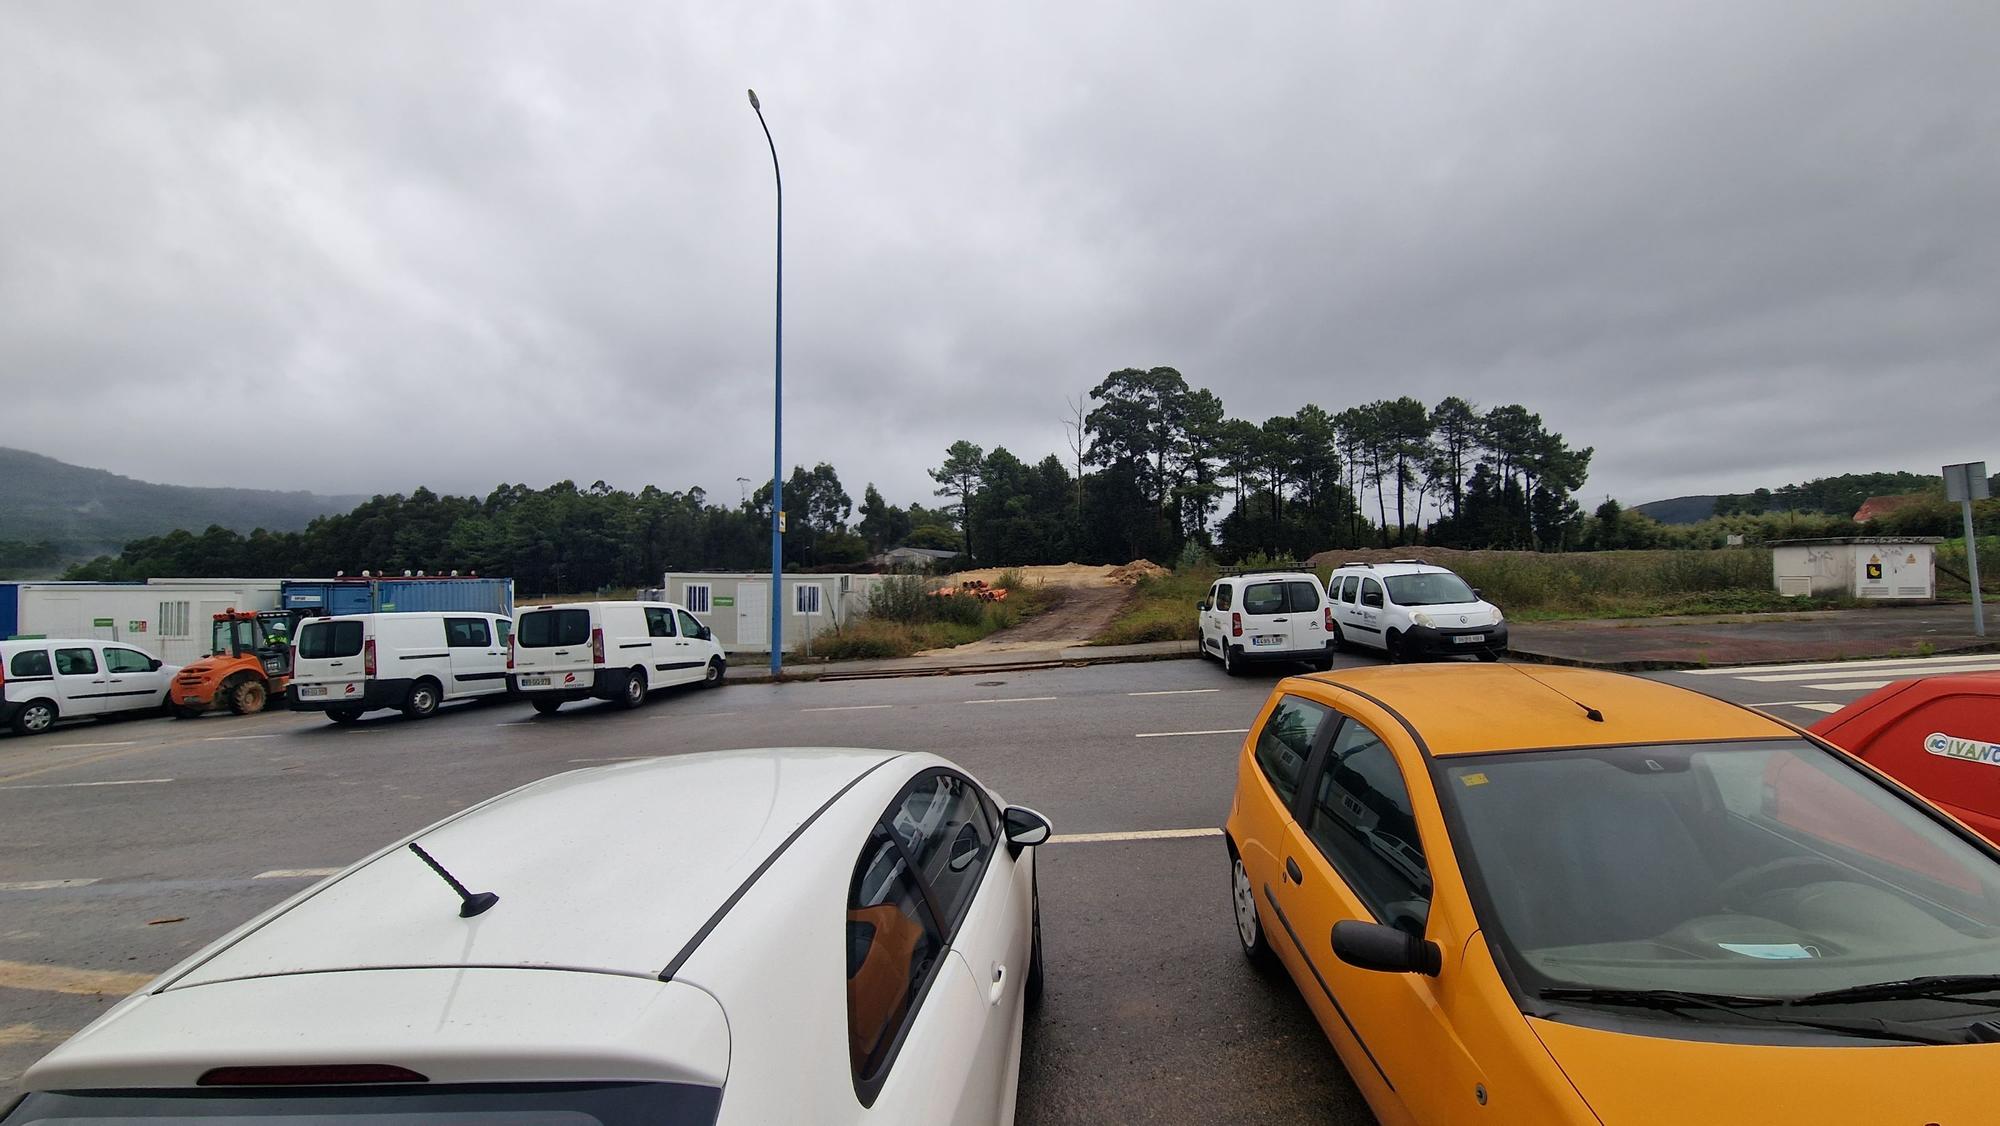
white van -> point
(1267, 615)
(44, 680)
(1411, 610)
(610, 651)
(353, 663)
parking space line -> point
(1171, 734)
(1142, 835)
(45, 885)
(87, 746)
(68, 979)
(1175, 692)
(1779, 704)
(850, 708)
(296, 874)
(1817, 666)
(1821, 707)
(1013, 700)
(515, 723)
(74, 785)
(233, 738)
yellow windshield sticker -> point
(1473, 779)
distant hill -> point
(1679, 510)
(87, 511)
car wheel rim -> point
(1246, 905)
(635, 689)
(37, 719)
(423, 701)
(714, 672)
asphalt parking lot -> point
(125, 846)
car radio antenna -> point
(474, 902)
(1589, 713)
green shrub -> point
(902, 598)
(1010, 580)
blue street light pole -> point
(777, 421)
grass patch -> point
(905, 618)
(1162, 609)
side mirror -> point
(707, 634)
(1372, 946)
(156, 663)
(1479, 594)
(1025, 828)
(1202, 605)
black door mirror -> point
(156, 663)
(707, 634)
(1202, 605)
(1479, 594)
(1025, 827)
(1372, 946)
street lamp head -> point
(753, 101)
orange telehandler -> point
(249, 661)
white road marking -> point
(296, 874)
(615, 758)
(1779, 704)
(1175, 692)
(234, 738)
(1012, 700)
(1171, 734)
(45, 885)
(1827, 708)
(1853, 685)
(515, 723)
(1854, 666)
(1142, 835)
(1898, 673)
(850, 708)
(73, 785)
(85, 746)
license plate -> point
(535, 682)
(308, 691)
(1267, 641)
(1469, 639)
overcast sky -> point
(356, 247)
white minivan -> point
(1266, 615)
(610, 651)
(353, 663)
(43, 680)
(1411, 610)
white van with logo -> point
(44, 680)
(353, 663)
(610, 651)
(1411, 610)
(1266, 616)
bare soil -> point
(1092, 597)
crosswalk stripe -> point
(1867, 670)
(1851, 685)
(1827, 708)
(1844, 666)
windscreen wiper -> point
(1950, 985)
(1754, 1009)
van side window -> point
(1223, 594)
(659, 621)
(320, 641)
(1349, 586)
(467, 633)
(689, 626)
(126, 660)
(1286, 742)
(30, 663)
(1371, 593)
(75, 662)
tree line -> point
(1151, 466)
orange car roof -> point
(1472, 709)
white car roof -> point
(613, 869)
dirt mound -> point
(1132, 572)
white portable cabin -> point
(1893, 568)
(736, 605)
(168, 617)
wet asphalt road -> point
(159, 835)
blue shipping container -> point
(383, 596)
(10, 609)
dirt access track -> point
(1092, 597)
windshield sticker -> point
(1782, 951)
(1473, 779)
(1971, 750)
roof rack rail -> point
(1357, 563)
(1271, 570)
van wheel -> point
(343, 716)
(423, 699)
(1231, 663)
(716, 670)
(1393, 647)
(246, 696)
(1339, 639)
(547, 707)
(36, 717)
(635, 689)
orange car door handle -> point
(1292, 870)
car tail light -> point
(308, 1075)
(368, 657)
(1329, 619)
(597, 646)
(510, 653)
(1236, 625)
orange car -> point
(1564, 896)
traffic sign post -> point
(1965, 483)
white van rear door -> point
(1266, 624)
(330, 661)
